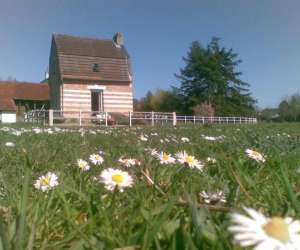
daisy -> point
(275, 233)
(10, 144)
(185, 139)
(165, 158)
(46, 182)
(129, 162)
(96, 159)
(143, 138)
(213, 197)
(255, 155)
(115, 178)
(189, 160)
(211, 160)
(83, 165)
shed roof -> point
(10, 91)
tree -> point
(159, 101)
(289, 108)
(210, 76)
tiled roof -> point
(78, 57)
(10, 91)
(83, 46)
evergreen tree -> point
(210, 76)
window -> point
(96, 67)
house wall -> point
(116, 97)
(8, 117)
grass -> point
(169, 214)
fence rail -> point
(81, 118)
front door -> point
(97, 101)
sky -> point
(158, 34)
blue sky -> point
(158, 33)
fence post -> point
(50, 117)
(174, 119)
(80, 118)
(194, 119)
(202, 120)
(152, 118)
(240, 120)
(130, 118)
(185, 119)
(106, 117)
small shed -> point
(19, 97)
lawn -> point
(164, 205)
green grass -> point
(81, 214)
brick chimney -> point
(118, 39)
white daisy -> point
(143, 138)
(129, 162)
(112, 178)
(165, 158)
(213, 197)
(96, 159)
(46, 182)
(83, 165)
(211, 160)
(185, 139)
(255, 155)
(189, 160)
(10, 144)
(265, 233)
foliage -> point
(289, 109)
(204, 109)
(160, 101)
(210, 75)
(81, 214)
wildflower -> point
(185, 139)
(10, 144)
(96, 159)
(46, 182)
(255, 155)
(213, 197)
(189, 160)
(211, 160)
(213, 138)
(83, 165)
(165, 158)
(275, 233)
(129, 162)
(17, 133)
(143, 138)
(115, 178)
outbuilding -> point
(18, 97)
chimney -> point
(118, 39)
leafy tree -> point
(289, 108)
(210, 76)
(159, 101)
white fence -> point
(81, 118)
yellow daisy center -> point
(45, 181)
(189, 159)
(278, 229)
(165, 157)
(118, 178)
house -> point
(90, 75)
(19, 97)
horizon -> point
(261, 32)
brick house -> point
(19, 97)
(90, 74)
